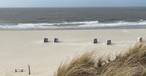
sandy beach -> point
(22, 47)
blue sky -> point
(72, 3)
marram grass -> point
(131, 63)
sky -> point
(72, 3)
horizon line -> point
(85, 7)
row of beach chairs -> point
(108, 42)
(56, 40)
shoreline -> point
(104, 28)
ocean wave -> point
(116, 24)
(84, 24)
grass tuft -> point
(131, 63)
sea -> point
(73, 18)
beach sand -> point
(22, 47)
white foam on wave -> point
(27, 26)
(114, 24)
(75, 23)
(85, 24)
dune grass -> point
(131, 63)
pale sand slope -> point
(19, 48)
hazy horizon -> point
(84, 7)
(70, 3)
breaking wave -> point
(85, 24)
